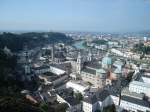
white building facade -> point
(140, 87)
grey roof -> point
(91, 100)
(100, 96)
(66, 94)
(59, 55)
(88, 70)
(63, 66)
(103, 95)
(71, 56)
(147, 76)
(71, 100)
(42, 67)
(45, 88)
(93, 64)
(47, 97)
(113, 90)
(136, 101)
(51, 77)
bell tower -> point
(79, 63)
(89, 57)
(27, 68)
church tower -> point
(89, 57)
(79, 63)
(52, 53)
(27, 68)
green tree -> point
(10, 98)
(44, 106)
(97, 111)
(110, 108)
(17, 42)
(62, 107)
(78, 96)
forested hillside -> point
(16, 42)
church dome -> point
(106, 61)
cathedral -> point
(98, 72)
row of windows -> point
(88, 75)
(138, 89)
(87, 107)
(131, 106)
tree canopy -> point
(141, 48)
(16, 42)
(100, 42)
(10, 98)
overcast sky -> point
(75, 15)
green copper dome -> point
(107, 61)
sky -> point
(75, 15)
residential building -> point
(41, 69)
(66, 96)
(134, 104)
(78, 86)
(97, 102)
(140, 87)
(53, 79)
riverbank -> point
(79, 45)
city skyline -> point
(79, 15)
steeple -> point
(79, 63)
(79, 58)
(52, 52)
(27, 62)
(89, 57)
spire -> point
(79, 57)
(108, 54)
(26, 54)
(79, 63)
(27, 65)
(52, 52)
(7, 50)
(89, 58)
